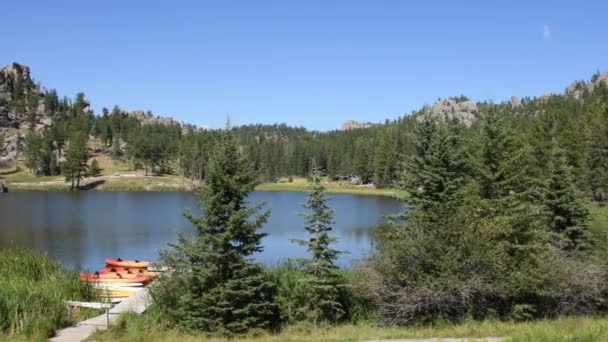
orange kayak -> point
(112, 275)
(128, 271)
(128, 263)
(114, 293)
(93, 278)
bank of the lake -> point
(137, 181)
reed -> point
(33, 289)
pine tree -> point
(220, 290)
(597, 158)
(563, 206)
(94, 170)
(77, 155)
(437, 171)
(500, 161)
(361, 161)
(385, 160)
(323, 304)
(34, 153)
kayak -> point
(117, 299)
(114, 293)
(128, 263)
(113, 285)
(125, 270)
(104, 288)
(95, 279)
(112, 275)
(115, 270)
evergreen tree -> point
(94, 170)
(361, 161)
(438, 170)
(563, 206)
(385, 163)
(216, 287)
(323, 304)
(597, 158)
(500, 161)
(77, 155)
(34, 153)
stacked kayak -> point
(120, 279)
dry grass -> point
(137, 328)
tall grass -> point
(33, 289)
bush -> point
(293, 291)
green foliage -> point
(215, 286)
(32, 291)
(94, 169)
(437, 171)
(77, 155)
(324, 282)
(563, 206)
(474, 244)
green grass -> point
(139, 328)
(33, 289)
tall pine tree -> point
(76, 157)
(323, 304)
(216, 287)
(563, 206)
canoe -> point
(128, 263)
(95, 279)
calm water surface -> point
(82, 229)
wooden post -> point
(107, 318)
(69, 313)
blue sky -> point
(306, 63)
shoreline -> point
(176, 184)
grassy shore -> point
(33, 289)
(139, 328)
(116, 176)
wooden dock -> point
(137, 303)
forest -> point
(575, 121)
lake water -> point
(82, 229)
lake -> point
(82, 229)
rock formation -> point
(461, 109)
(352, 124)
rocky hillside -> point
(21, 106)
(23, 109)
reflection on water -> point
(82, 229)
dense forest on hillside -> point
(576, 120)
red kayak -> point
(127, 263)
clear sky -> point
(307, 63)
